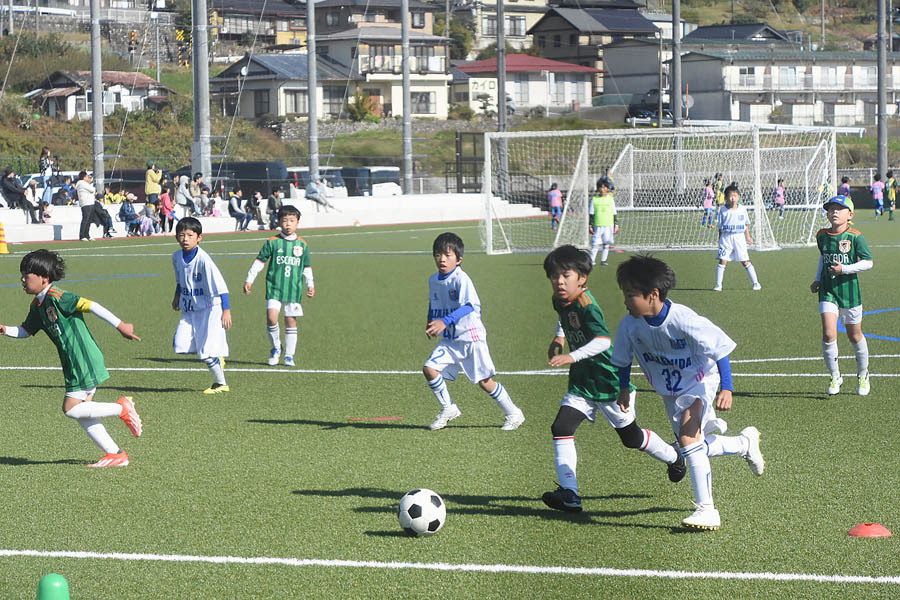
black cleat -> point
(563, 499)
(677, 469)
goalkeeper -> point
(603, 220)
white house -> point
(67, 95)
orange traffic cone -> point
(3, 248)
(869, 530)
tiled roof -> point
(522, 63)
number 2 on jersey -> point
(673, 380)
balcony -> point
(379, 63)
(802, 82)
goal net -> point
(659, 178)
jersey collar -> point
(43, 293)
(289, 238)
(657, 320)
(443, 277)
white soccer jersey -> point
(675, 356)
(733, 222)
(200, 281)
(447, 294)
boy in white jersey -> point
(454, 313)
(202, 297)
(685, 357)
(734, 236)
(288, 258)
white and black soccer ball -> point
(422, 512)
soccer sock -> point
(751, 272)
(593, 253)
(215, 367)
(830, 352)
(98, 434)
(861, 349)
(604, 254)
(274, 335)
(720, 274)
(566, 461)
(504, 401)
(723, 445)
(290, 340)
(439, 387)
(94, 410)
(701, 475)
(657, 448)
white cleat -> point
(863, 384)
(512, 422)
(274, 354)
(835, 386)
(718, 288)
(753, 456)
(445, 416)
(704, 517)
(757, 287)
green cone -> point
(53, 587)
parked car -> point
(372, 181)
(337, 188)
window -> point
(418, 20)
(332, 18)
(296, 102)
(371, 17)
(540, 41)
(558, 88)
(747, 76)
(323, 50)
(787, 77)
(260, 102)
(557, 41)
(829, 76)
(298, 23)
(520, 95)
(333, 99)
(515, 26)
(488, 25)
(461, 97)
(423, 103)
(281, 25)
(869, 76)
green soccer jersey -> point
(284, 275)
(844, 248)
(60, 315)
(604, 210)
(582, 320)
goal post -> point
(659, 177)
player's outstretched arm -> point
(127, 331)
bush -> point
(461, 112)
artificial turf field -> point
(275, 490)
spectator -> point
(85, 192)
(45, 166)
(102, 216)
(128, 216)
(315, 192)
(275, 202)
(166, 208)
(149, 219)
(65, 194)
(13, 190)
(30, 205)
(196, 188)
(183, 196)
(242, 219)
(254, 209)
(110, 197)
(152, 188)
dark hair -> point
(82, 175)
(645, 273)
(780, 180)
(845, 179)
(287, 210)
(191, 224)
(566, 258)
(197, 175)
(448, 241)
(731, 188)
(553, 186)
(43, 263)
(890, 174)
(604, 181)
(706, 181)
(877, 177)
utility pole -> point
(96, 96)
(822, 19)
(659, 95)
(675, 89)
(311, 91)
(200, 149)
(501, 67)
(882, 92)
(407, 98)
(155, 16)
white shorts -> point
(849, 316)
(733, 247)
(201, 331)
(291, 309)
(602, 235)
(610, 410)
(474, 358)
(82, 395)
(709, 422)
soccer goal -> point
(659, 178)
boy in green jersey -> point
(844, 254)
(60, 315)
(288, 258)
(593, 380)
(603, 220)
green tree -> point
(491, 51)
(362, 107)
(461, 36)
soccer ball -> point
(422, 512)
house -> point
(798, 87)
(748, 32)
(578, 35)
(531, 82)
(518, 17)
(268, 22)
(67, 95)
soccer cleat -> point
(111, 460)
(274, 353)
(445, 416)
(753, 456)
(512, 421)
(718, 288)
(603, 263)
(129, 415)
(863, 384)
(288, 360)
(704, 517)
(756, 287)
(563, 499)
(835, 386)
(677, 469)
(217, 388)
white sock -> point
(701, 475)
(504, 401)
(274, 332)
(657, 448)
(861, 349)
(594, 253)
(98, 434)
(566, 462)
(94, 410)
(215, 367)
(720, 274)
(439, 387)
(751, 273)
(604, 254)
(290, 341)
(722, 445)
(830, 352)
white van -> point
(334, 181)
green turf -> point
(275, 468)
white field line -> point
(476, 568)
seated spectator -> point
(149, 219)
(13, 190)
(65, 194)
(242, 219)
(128, 216)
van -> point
(337, 188)
(372, 181)
(250, 176)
